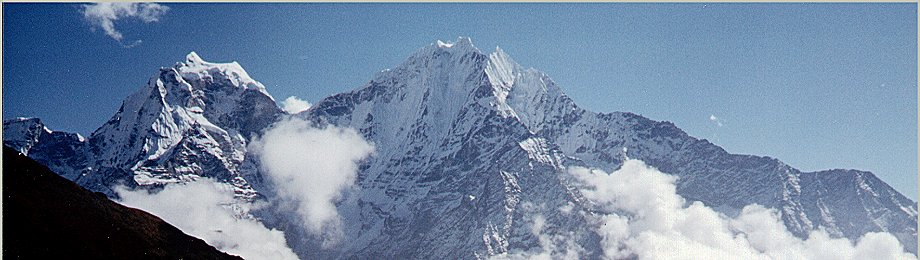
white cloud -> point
(716, 120)
(104, 15)
(204, 209)
(294, 105)
(549, 248)
(643, 217)
(309, 168)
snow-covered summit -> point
(196, 68)
(463, 46)
(464, 43)
(450, 72)
(193, 57)
(442, 44)
(193, 116)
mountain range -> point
(468, 146)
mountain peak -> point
(196, 68)
(443, 44)
(455, 69)
(193, 101)
(462, 42)
(462, 45)
(193, 57)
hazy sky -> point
(816, 85)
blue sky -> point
(816, 85)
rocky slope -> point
(48, 217)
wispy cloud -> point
(294, 105)
(716, 120)
(309, 168)
(205, 209)
(104, 15)
(552, 246)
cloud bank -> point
(640, 216)
(294, 105)
(203, 209)
(104, 15)
(309, 168)
(644, 217)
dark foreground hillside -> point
(48, 217)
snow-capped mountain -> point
(468, 146)
(191, 120)
(453, 167)
(62, 152)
